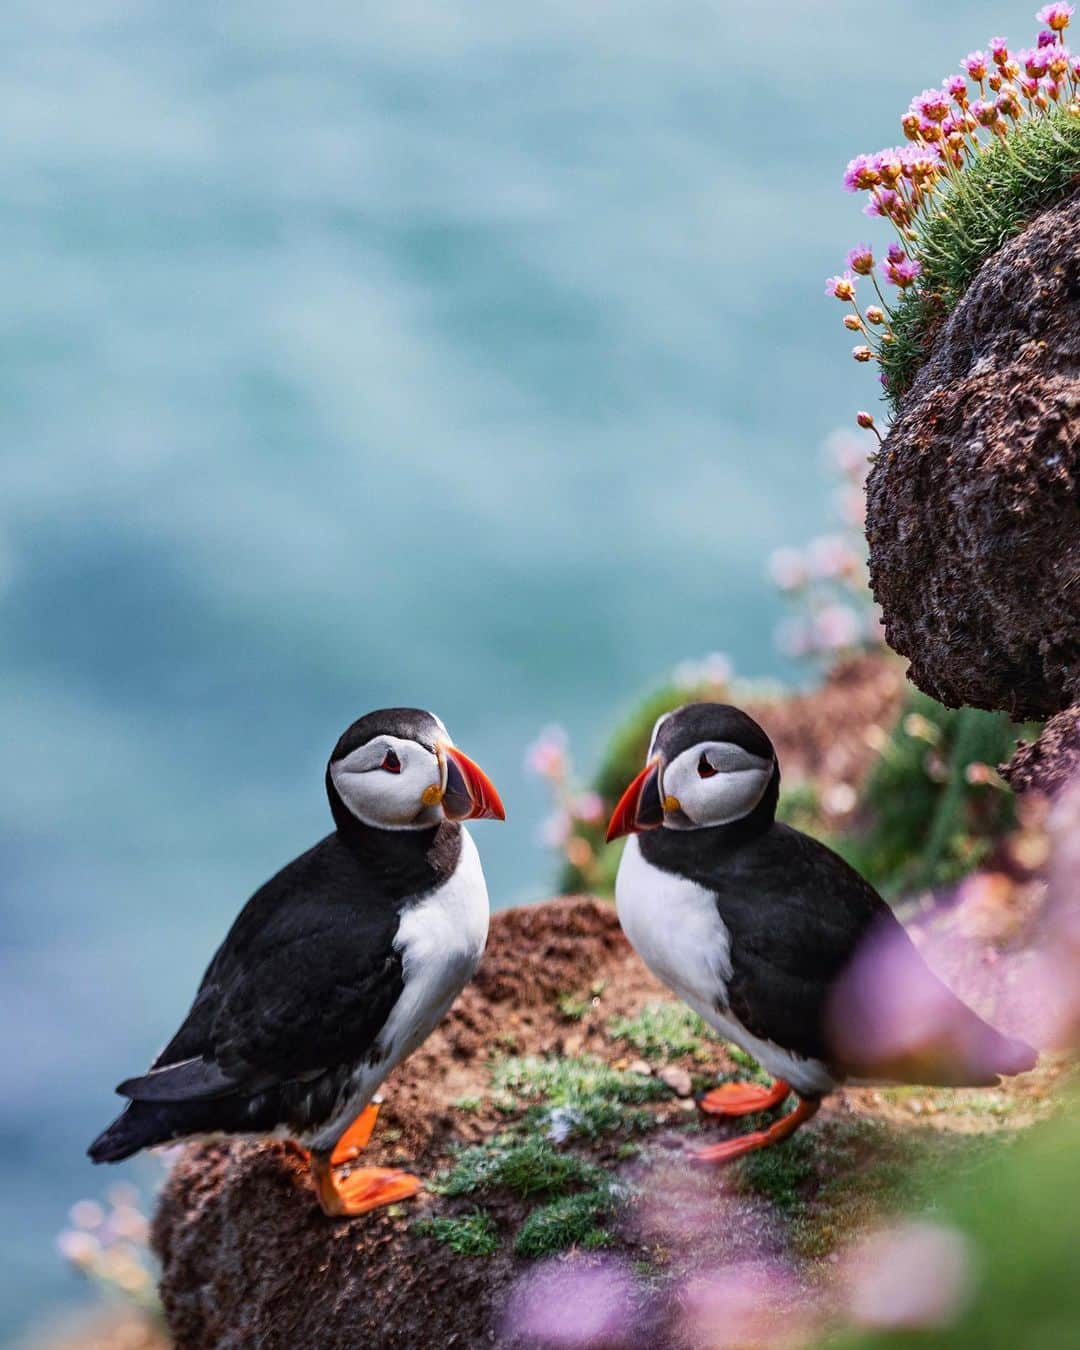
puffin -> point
(335, 970)
(774, 940)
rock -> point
(678, 1080)
(1046, 765)
(973, 504)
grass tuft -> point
(471, 1234)
(575, 1220)
(528, 1166)
(998, 195)
(663, 1031)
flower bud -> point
(875, 314)
(862, 354)
(853, 322)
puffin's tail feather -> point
(140, 1125)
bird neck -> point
(406, 862)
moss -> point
(468, 1105)
(471, 1234)
(526, 1166)
(582, 1098)
(662, 1031)
(830, 1182)
(999, 193)
(575, 1220)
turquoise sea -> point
(472, 355)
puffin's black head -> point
(708, 764)
(397, 769)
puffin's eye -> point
(391, 763)
(704, 768)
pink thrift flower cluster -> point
(826, 580)
(944, 130)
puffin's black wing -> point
(303, 983)
(797, 916)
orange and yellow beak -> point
(469, 794)
(641, 806)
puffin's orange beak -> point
(469, 793)
(640, 807)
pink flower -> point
(1034, 60)
(546, 757)
(861, 173)
(1047, 38)
(986, 114)
(1058, 59)
(787, 569)
(915, 1275)
(588, 807)
(896, 253)
(1055, 16)
(956, 87)
(842, 287)
(999, 50)
(882, 203)
(861, 259)
(571, 1301)
(836, 626)
(829, 557)
(793, 638)
(902, 274)
(931, 104)
(555, 831)
(976, 64)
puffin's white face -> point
(396, 783)
(712, 783)
(391, 783)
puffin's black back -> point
(297, 993)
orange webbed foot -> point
(742, 1099)
(748, 1143)
(355, 1139)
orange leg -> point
(364, 1189)
(355, 1139)
(741, 1099)
(747, 1143)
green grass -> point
(998, 195)
(579, 1098)
(662, 1031)
(471, 1234)
(526, 1167)
(829, 1182)
(573, 1221)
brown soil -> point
(248, 1258)
(973, 505)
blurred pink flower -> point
(713, 669)
(787, 568)
(836, 626)
(829, 556)
(555, 831)
(588, 807)
(546, 757)
(1055, 16)
(574, 1301)
(917, 1274)
(794, 638)
(748, 1303)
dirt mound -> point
(249, 1259)
(973, 505)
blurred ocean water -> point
(467, 355)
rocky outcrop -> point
(973, 505)
(1052, 761)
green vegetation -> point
(934, 804)
(829, 1182)
(525, 1166)
(583, 1098)
(471, 1234)
(663, 1031)
(992, 201)
(574, 1220)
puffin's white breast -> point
(441, 939)
(674, 925)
